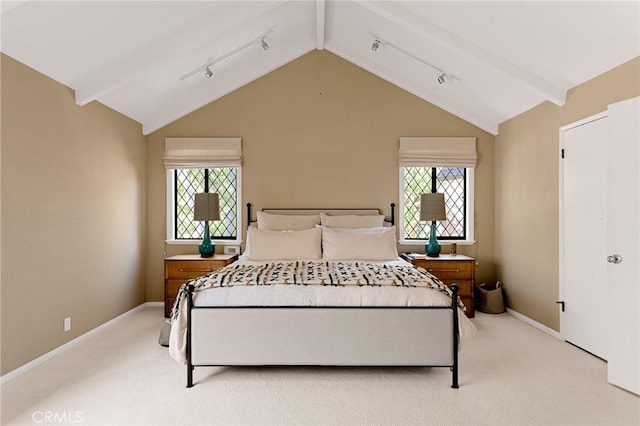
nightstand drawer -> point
(465, 287)
(181, 269)
(172, 287)
(447, 270)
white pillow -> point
(284, 245)
(351, 221)
(285, 222)
(354, 244)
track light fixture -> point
(442, 74)
(206, 67)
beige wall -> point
(526, 191)
(73, 214)
(318, 132)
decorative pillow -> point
(354, 244)
(285, 222)
(284, 245)
(351, 221)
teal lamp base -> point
(207, 248)
(432, 248)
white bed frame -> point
(324, 336)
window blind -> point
(195, 153)
(438, 151)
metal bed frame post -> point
(393, 213)
(190, 366)
(454, 308)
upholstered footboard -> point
(328, 336)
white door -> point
(584, 234)
(624, 241)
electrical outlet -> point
(231, 249)
(67, 324)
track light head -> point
(441, 78)
(265, 46)
(208, 73)
(375, 45)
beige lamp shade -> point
(207, 207)
(432, 207)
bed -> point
(319, 287)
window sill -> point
(442, 242)
(197, 242)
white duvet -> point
(309, 295)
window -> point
(438, 164)
(188, 182)
(196, 165)
(454, 183)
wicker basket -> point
(489, 298)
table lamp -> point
(432, 209)
(206, 208)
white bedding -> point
(310, 295)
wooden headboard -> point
(330, 211)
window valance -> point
(438, 151)
(192, 153)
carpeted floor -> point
(511, 374)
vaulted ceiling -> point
(148, 59)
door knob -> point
(615, 258)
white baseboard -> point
(28, 366)
(536, 324)
(154, 305)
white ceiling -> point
(509, 56)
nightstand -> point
(459, 269)
(183, 267)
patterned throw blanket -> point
(328, 273)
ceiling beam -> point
(139, 63)
(320, 23)
(428, 29)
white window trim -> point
(171, 213)
(469, 214)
